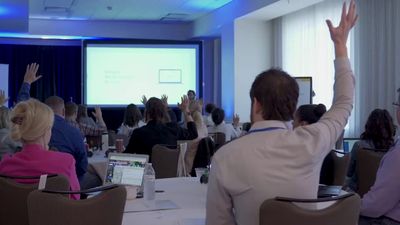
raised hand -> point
(184, 105)
(144, 100)
(339, 34)
(30, 73)
(97, 113)
(236, 120)
(3, 98)
(164, 99)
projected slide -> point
(119, 75)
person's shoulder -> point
(233, 149)
(62, 157)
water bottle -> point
(149, 183)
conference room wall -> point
(253, 54)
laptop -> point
(328, 191)
(348, 144)
(126, 169)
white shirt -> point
(281, 162)
(228, 129)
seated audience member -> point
(71, 114)
(66, 138)
(381, 204)
(93, 128)
(7, 145)
(230, 131)
(207, 118)
(31, 124)
(309, 114)
(378, 134)
(273, 159)
(132, 120)
(159, 130)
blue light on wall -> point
(61, 37)
(209, 5)
(4, 10)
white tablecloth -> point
(188, 193)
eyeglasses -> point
(396, 104)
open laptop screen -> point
(348, 144)
(125, 169)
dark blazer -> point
(144, 138)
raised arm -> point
(340, 34)
(29, 78)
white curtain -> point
(377, 59)
(307, 49)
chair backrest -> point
(165, 161)
(341, 164)
(218, 138)
(106, 208)
(205, 150)
(368, 161)
(345, 211)
(14, 196)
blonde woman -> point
(31, 124)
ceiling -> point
(144, 10)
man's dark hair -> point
(191, 91)
(132, 115)
(277, 92)
(55, 103)
(218, 115)
(70, 109)
(156, 110)
(210, 107)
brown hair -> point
(277, 92)
(380, 129)
(70, 109)
(156, 110)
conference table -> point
(188, 195)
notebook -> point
(127, 169)
(348, 144)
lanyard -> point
(264, 129)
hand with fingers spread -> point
(31, 73)
(3, 97)
(144, 100)
(184, 105)
(97, 113)
(236, 120)
(339, 34)
(164, 99)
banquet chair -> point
(205, 151)
(14, 196)
(218, 138)
(165, 161)
(282, 211)
(368, 161)
(52, 207)
(340, 164)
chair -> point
(165, 161)
(50, 207)
(340, 164)
(205, 151)
(219, 139)
(368, 161)
(14, 196)
(282, 211)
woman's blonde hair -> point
(4, 117)
(30, 120)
